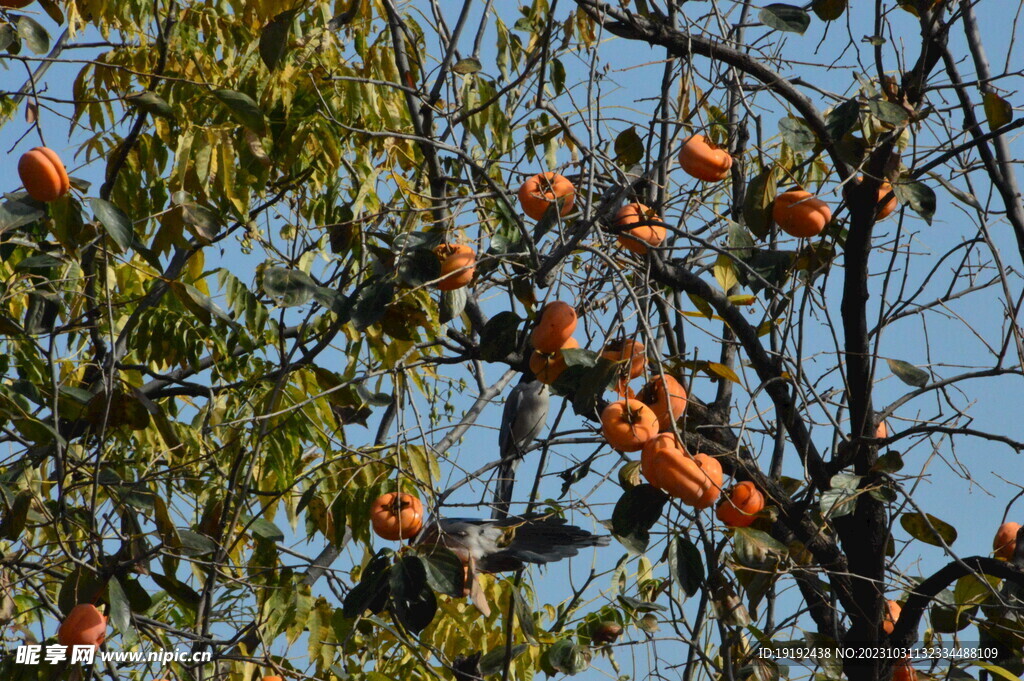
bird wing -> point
(539, 540)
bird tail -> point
(542, 540)
(504, 483)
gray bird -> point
(525, 415)
(506, 545)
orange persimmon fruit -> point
(43, 174)
(739, 508)
(555, 324)
(628, 424)
(85, 625)
(458, 265)
(666, 408)
(801, 214)
(396, 515)
(544, 190)
(1005, 541)
(701, 159)
(644, 234)
(548, 366)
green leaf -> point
(579, 357)
(829, 10)
(837, 502)
(452, 304)
(591, 385)
(741, 244)
(467, 66)
(9, 39)
(200, 303)
(427, 241)
(842, 119)
(525, 616)
(203, 223)
(636, 512)
(846, 481)
(120, 610)
(371, 303)
(887, 112)
(264, 529)
(890, 462)
(183, 594)
(958, 194)
(629, 148)
(274, 38)
(195, 544)
(569, 658)
(637, 605)
(373, 589)
(412, 602)
(80, 586)
(796, 134)
(117, 224)
(138, 598)
(34, 35)
(52, 11)
(244, 109)
(917, 195)
(996, 669)
(445, 573)
(494, 661)
(917, 526)
(686, 565)
(998, 111)
(418, 266)
(783, 17)
(13, 522)
(151, 103)
(289, 287)
(757, 202)
(499, 337)
(753, 547)
(42, 261)
(908, 373)
(558, 76)
(771, 266)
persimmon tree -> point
(228, 339)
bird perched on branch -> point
(525, 415)
(506, 545)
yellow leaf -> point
(725, 273)
(997, 670)
(998, 111)
(702, 305)
(743, 299)
(723, 371)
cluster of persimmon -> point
(797, 212)
(1005, 541)
(553, 333)
(645, 423)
